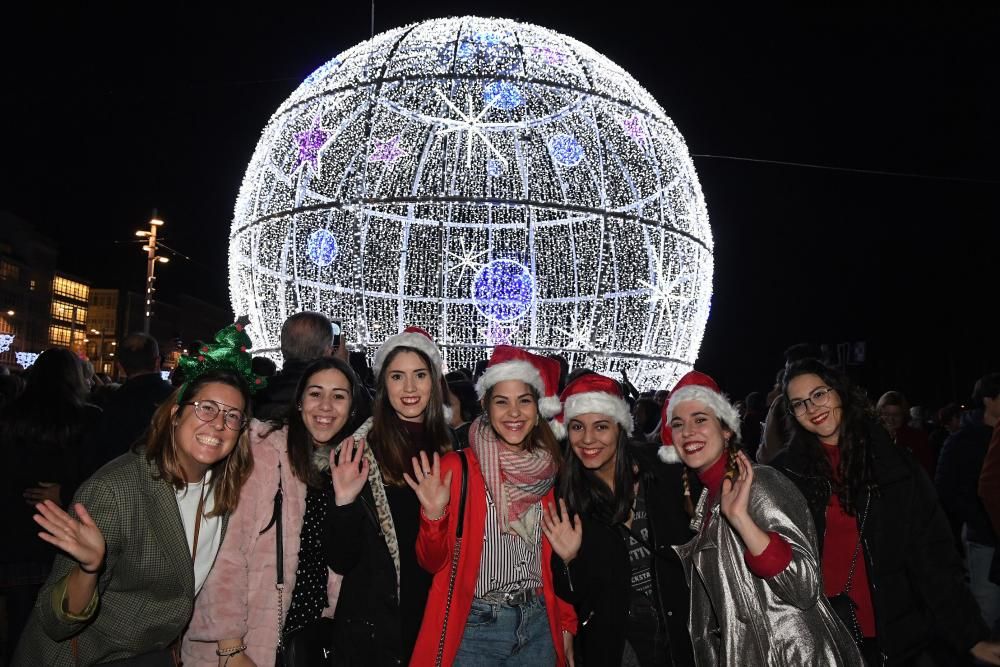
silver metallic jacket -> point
(738, 618)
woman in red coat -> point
(492, 600)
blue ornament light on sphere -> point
(322, 247)
(503, 95)
(503, 290)
(421, 163)
(565, 150)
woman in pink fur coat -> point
(238, 613)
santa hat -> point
(699, 387)
(413, 337)
(513, 363)
(594, 393)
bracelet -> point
(231, 651)
(443, 515)
(83, 569)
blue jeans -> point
(987, 593)
(496, 634)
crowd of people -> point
(521, 512)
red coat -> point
(435, 543)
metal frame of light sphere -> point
(490, 181)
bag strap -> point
(857, 547)
(456, 551)
(279, 553)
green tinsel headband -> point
(228, 352)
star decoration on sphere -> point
(5, 341)
(466, 260)
(633, 128)
(579, 336)
(550, 55)
(471, 125)
(309, 143)
(662, 290)
(387, 150)
(25, 359)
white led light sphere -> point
(490, 181)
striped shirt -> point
(508, 563)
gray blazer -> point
(146, 590)
(740, 619)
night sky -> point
(110, 114)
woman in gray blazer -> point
(146, 527)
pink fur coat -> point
(240, 599)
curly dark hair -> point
(857, 423)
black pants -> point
(646, 633)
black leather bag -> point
(311, 646)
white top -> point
(508, 563)
(210, 535)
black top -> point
(309, 597)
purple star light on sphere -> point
(309, 143)
(387, 150)
(633, 128)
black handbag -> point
(311, 646)
(843, 606)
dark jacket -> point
(273, 402)
(915, 575)
(598, 580)
(957, 477)
(127, 414)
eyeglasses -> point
(819, 396)
(207, 411)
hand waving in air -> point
(734, 499)
(80, 538)
(565, 534)
(432, 491)
(349, 471)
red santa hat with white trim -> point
(597, 394)
(512, 363)
(413, 337)
(695, 386)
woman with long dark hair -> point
(493, 601)
(886, 549)
(240, 608)
(146, 527)
(374, 518)
(43, 450)
(753, 567)
(613, 559)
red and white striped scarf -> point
(516, 480)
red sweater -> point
(435, 543)
(838, 550)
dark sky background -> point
(110, 113)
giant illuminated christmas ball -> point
(490, 181)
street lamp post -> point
(151, 260)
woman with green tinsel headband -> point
(145, 529)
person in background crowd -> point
(374, 520)
(305, 337)
(613, 559)
(777, 430)
(958, 481)
(43, 449)
(146, 528)
(492, 601)
(752, 424)
(130, 408)
(464, 408)
(240, 604)
(646, 416)
(756, 588)
(949, 420)
(884, 540)
(894, 411)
